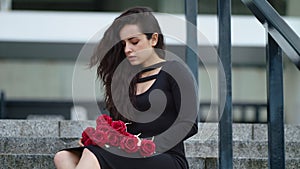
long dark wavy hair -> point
(110, 53)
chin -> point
(134, 63)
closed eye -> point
(134, 42)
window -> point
(205, 6)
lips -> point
(131, 57)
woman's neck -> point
(152, 68)
(154, 60)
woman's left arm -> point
(185, 99)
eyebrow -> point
(132, 38)
(129, 39)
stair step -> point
(32, 161)
(43, 128)
(209, 148)
(240, 163)
(194, 147)
(68, 128)
(35, 145)
(45, 161)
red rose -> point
(104, 120)
(114, 138)
(129, 144)
(119, 126)
(147, 148)
(87, 133)
(99, 138)
(88, 142)
(104, 128)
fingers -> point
(80, 143)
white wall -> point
(21, 79)
(40, 80)
(292, 93)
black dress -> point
(177, 121)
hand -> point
(80, 143)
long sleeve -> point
(184, 94)
(192, 105)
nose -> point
(127, 49)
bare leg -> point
(66, 159)
(88, 160)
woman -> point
(131, 63)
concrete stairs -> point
(32, 144)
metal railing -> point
(224, 52)
(279, 37)
(2, 105)
(224, 85)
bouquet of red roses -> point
(114, 133)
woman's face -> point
(138, 49)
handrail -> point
(287, 39)
(279, 37)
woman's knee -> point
(88, 153)
(63, 157)
(88, 156)
(60, 156)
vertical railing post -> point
(2, 105)
(191, 12)
(276, 143)
(225, 88)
